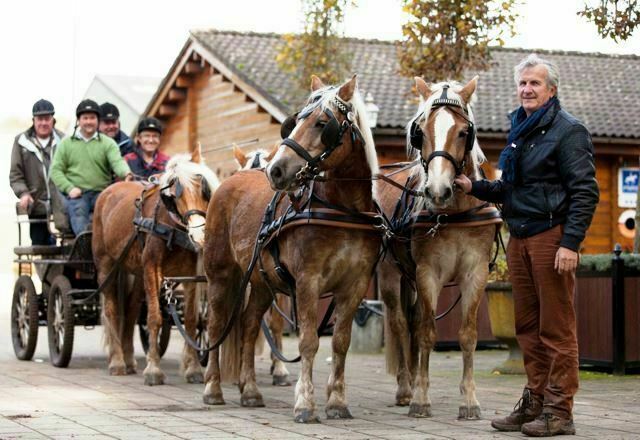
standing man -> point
(145, 159)
(84, 164)
(110, 125)
(549, 194)
(29, 173)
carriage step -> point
(40, 250)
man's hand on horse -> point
(25, 201)
(75, 192)
(566, 260)
(463, 183)
(129, 177)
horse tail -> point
(231, 348)
(399, 328)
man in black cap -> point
(84, 164)
(145, 160)
(110, 125)
(29, 173)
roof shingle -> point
(601, 90)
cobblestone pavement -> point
(83, 402)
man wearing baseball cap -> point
(29, 173)
(110, 125)
(84, 164)
(145, 159)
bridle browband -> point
(331, 137)
(416, 135)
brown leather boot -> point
(526, 410)
(548, 425)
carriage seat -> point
(41, 250)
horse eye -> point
(462, 134)
(320, 123)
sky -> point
(53, 49)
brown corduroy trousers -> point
(545, 320)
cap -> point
(87, 106)
(42, 107)
(109, 112)
(149, 123)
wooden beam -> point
(192, 67)
(167, 110)
(195, 56)
(183, 82)
(177, 94)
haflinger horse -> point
(175, 208)
(258, 159)
(329, 136)
(448, 236)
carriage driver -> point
(549, 194)
(84, 164)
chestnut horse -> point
(179, 199)
(442, 135)
(258, 159)
(330, 136)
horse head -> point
(321, 136)
(186, 188)
(443, 135)
(253, 159)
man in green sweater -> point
(84, 164)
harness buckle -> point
(168, 287)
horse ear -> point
(468, 90)
(422, 87)
(316, 83)
(239, 156)
(196, 154)
(273, 152)
(347, 89)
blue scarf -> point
(521, 125)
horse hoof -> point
(338, 412)
(213, 400)
(132, 370)
(196, 377)
(403, 400)
(417, 410)
(252, 401)
(306, 416)
(469, 412)
(119, 370)
(154, 379)
(281, 381)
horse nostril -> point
(276, 172)
(447, 193)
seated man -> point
(84, 163)
(146, 160)
(110, 125)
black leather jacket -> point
(555, 181)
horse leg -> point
(347, 302)
(220, 294)
(472, 288)
(153, 375)
(428, 290)
(258, 305)
(397, 338)
(190, 362)
(276, 325)
(110, 320)
(304, 409)
(132, 311)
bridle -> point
(169, 199)
(331, 137)
(416, 135)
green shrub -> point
(602, 262)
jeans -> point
(545, 320)
(80, 210)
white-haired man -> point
(549, 195)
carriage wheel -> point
(60, 322)
(143, 331)
(202, 334)
(24, 318)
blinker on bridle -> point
(416, 134)
(169, 199)
(331, 136)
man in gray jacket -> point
(29, 174)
